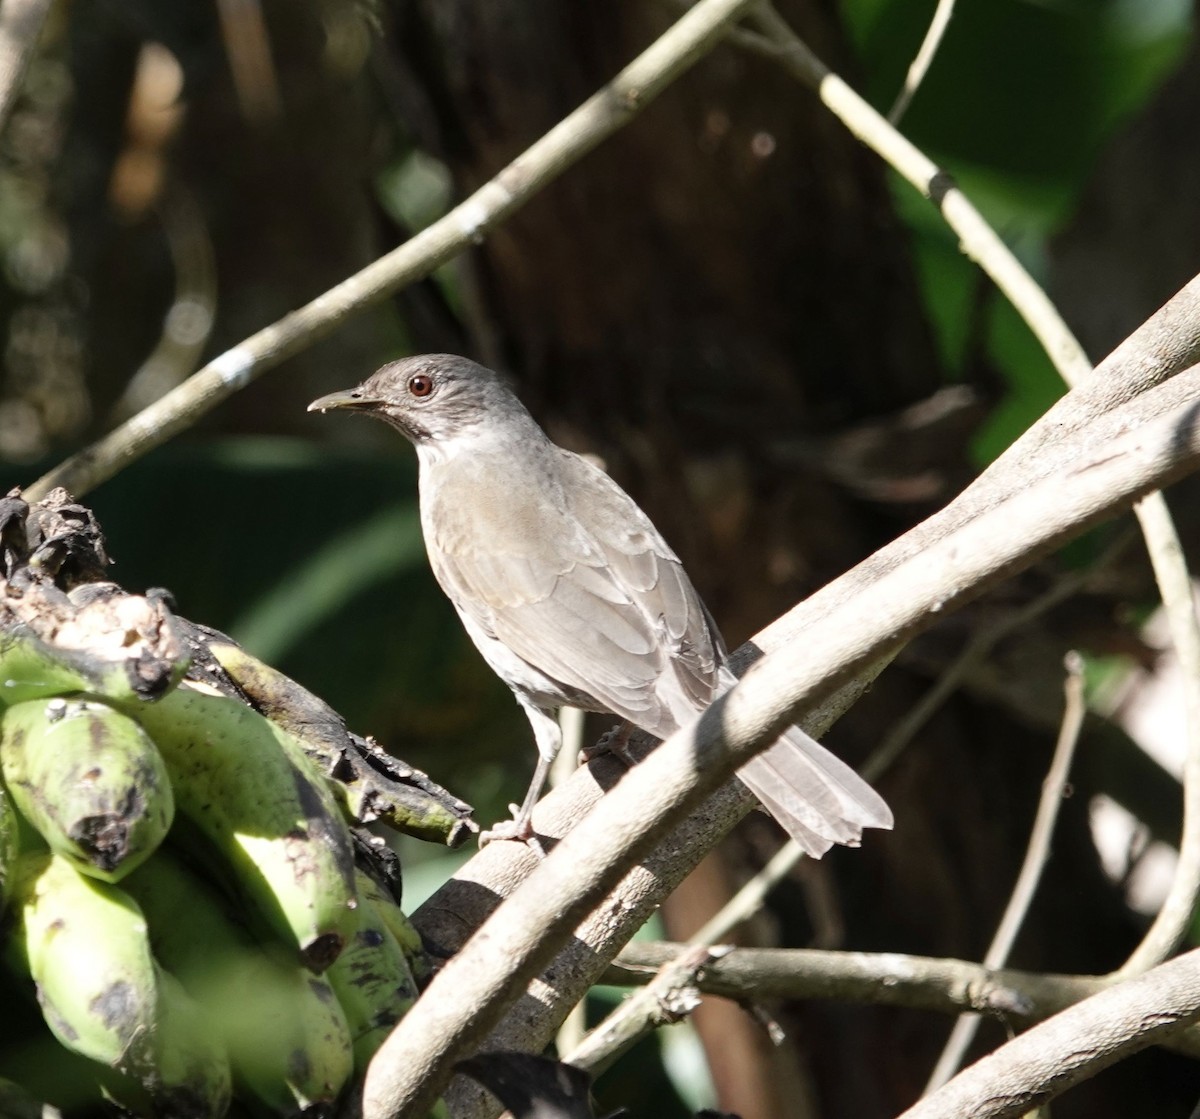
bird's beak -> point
(352, 399)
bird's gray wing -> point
(576, 581)
(596, 601)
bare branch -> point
(612, 107)
(877, 978)
(924, 59)
(1030, 874)
(1171, 574)
(1046, 1060)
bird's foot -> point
(518, 829)
(615, 741)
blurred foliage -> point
(1021, 95)
(1017, 105)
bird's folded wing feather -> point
(593, 599)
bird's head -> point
(432, 399)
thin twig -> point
(602, 114)
(920, 64)
(21, 23)
(668, 998)
(631, 1020)
(1036, 856)
(976, 238)
(1175, 584)
(571, 720)
(749, 899)
(982, 642)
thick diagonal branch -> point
(524, 934)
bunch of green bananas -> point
(178, 872)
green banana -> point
(248, 786)
(89, 779)
(31, 668)
(396, 920)
(373, 982)
(85, 944)
(282, 1026)
(16, 1103)
(9, 845)
(369, 783)
(31, 1056)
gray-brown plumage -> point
(570, 593)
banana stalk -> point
(31, 668)
(370, 784)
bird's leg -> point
(548, 735)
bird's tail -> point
(816, 798)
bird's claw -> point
(614, 742)
(517, 829)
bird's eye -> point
(420, 384)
